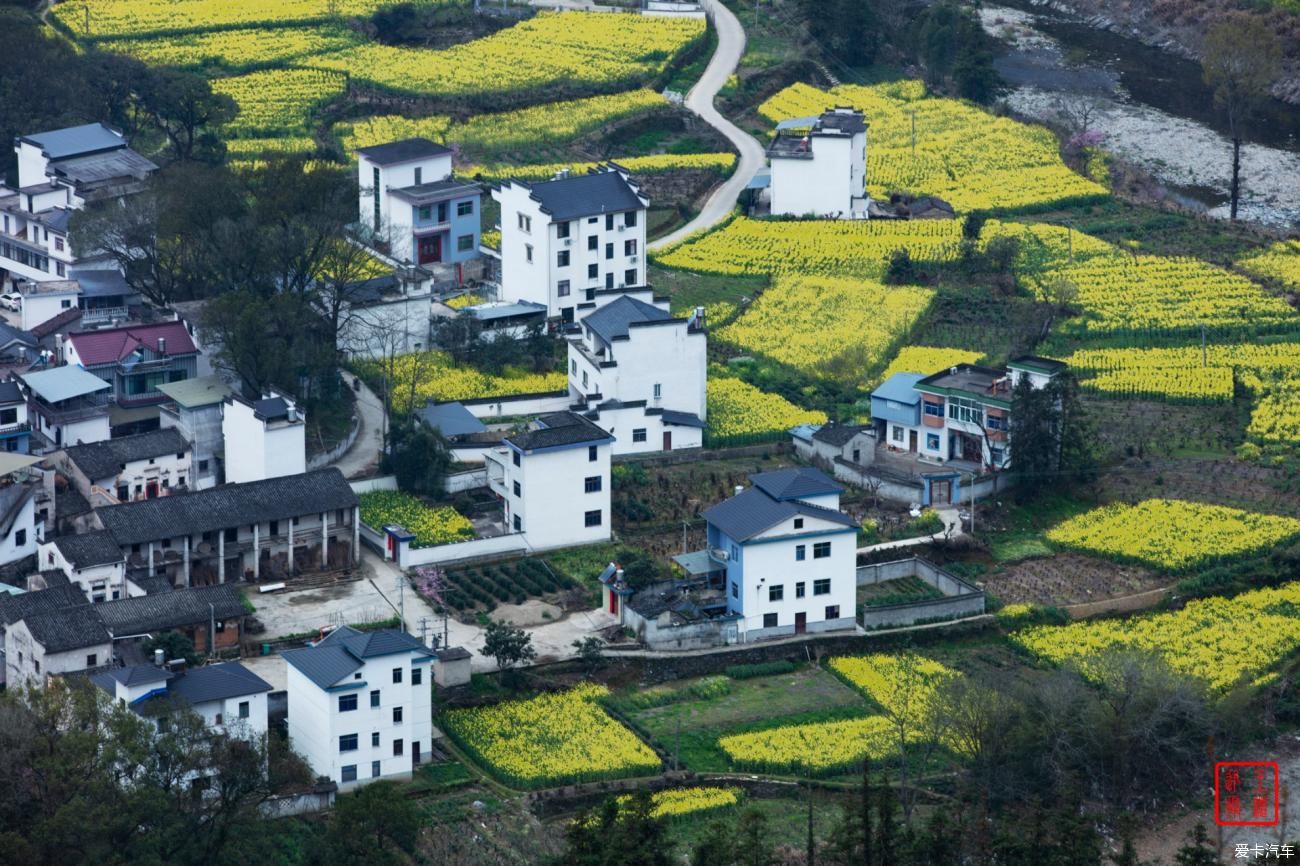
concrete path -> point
(731, 45)
(362, 459)
(947, 515)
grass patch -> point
(1018, 532)
(689, 289)
(786, 821)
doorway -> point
(800, 623)
(415, 753)
(430, 249)
(613, 603)
(940, 492)
(911, 441)
(668, 440)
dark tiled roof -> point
(837, 434)
(795, 483)
(228, 505)
(402, 151)
(136, 675)
(586, 195)
(612, 321)
(848, 122)
(216, 683)
(344, 650)
(271, 408)
(181, 607)
(451, 419)
(453, 654)
(76, 140)
(68, 629)
(27, 604)
(323, 665)
(105, 459)
(10, 334)
(12, 499)
(752, 512)
(10, 392)
(682, 419)
(438, 190)
(88, 549)
(558, 430)
(1037, 361)
(96, 168)
(61, 322)
(371, 644)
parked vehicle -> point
(11, 301)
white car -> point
(11, 301)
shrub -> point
(761, 669)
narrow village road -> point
(362, 458)
(731, 45)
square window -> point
(374, 769)
(203, 466)
(591, 484)
(934, 410)
(397, 747)
(593, 272)
(348, 773)
(464, 243)
(821, 550)
(629, 248)
(348, 743)
(92, 660)
(593, 242)
(776, 593)
(8, 417)
(822, 586)
(591, 518)
(525, 222)
(800, 552)
(243, 709)
(591, 221)
(562, 230)
(832, 611)
(417, 676)
(20, 537)
(769, 620)
(397, 715)
(397, 675)
(798, 523)
(629, 277)
(591, 453)
(896, 433)
(517, 488)
(562, 259)
(464, 208)
(629, 218)
(562, 288)
(425, 213)
(638, 434)
(374, 740)
(374, 697)
(932, 441)
(347, 703)
(799, 589)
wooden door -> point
(668, 440)
(911, 441)
(430, 249)
(800, 623)
(613, 603)
(940, 492)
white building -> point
(360, 705)
(44, 300)
(93, 562)
(20, 532)
(45, 637)
(229, 697)
(263, 439)
(821, 168)
(641, 373)
(194, 409)
(554, 481)
(67, 405)
(790, 554)
(143, 466)
(60, 171)
(563, 239)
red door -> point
(668, 440)
(613, 603)
(429, 249)
(800, 623)
(151, 490)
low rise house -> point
(819, 166)
(387, 315)
(135, 360)
(565, 238)
(266, 438)
(209, 616)
(15, 427)
(554, 481)
(60, 171)
(18, 348)
(20, 531)
(229, 697)
(789, 554)
(67, 406)
(260, 529)
(143, 466)
(827, 443)
(360, 705)
(194, 409)
(92, 562)
(51, 632)
(640, 373)
(44, 301)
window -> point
(996, 422)
(996, 453)
(65, 304)
(374, 698)
(591, 221)
(562, 287)
(442, 212)
(397, 747)
(832, 611)
(562, 259)
(519, 527)
(735, 590)
(348, 773)
(798, 523)
(629, 277)
(397, 715)
(934, 410)
(374, 189)
(20, 537)
(516, 456)
(593, 242)
(424, 214)
(232, 535)
(591, 453)
(638, 434)
(629, 248)
(347, 703)
(584, 378)
(397, 675)
(776, 592)
(561, 230)
(932, 441)
(417, 676)
(799, 589)
(465, 243)
(800, 552)
(769, 620)
(593, 272)
(629, 218)
(659, 390)
(374, 768)
(822, 586)
(821, 550)
(374, 740)
(419, 175)
(243, 709)
(517, 489)
(528, 253)
(8, 416)
(961, 409)
(609, 222)
(525, 222)
(59, 269)
(591, 518)
(203, 467)
(591, 484)
(609, 280)
(465, 208)
(92, 660)
(275, 527)
(735, 553)
(609, 251)
(58, 243)
(573, 367)
(896, 433)
(348, 743)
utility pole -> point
(401, 598)
(684, 522)
(972, 503)
(424, 630)
(812, 842)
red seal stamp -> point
(1246, 793)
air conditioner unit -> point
(632, 258)
(621, 228)
(622, 285)
(719, 554)
(568, 242)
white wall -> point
(553, 501)
(109, 579)
(253, 727)
(668, 355)
(10, 548)
(256, 450)
(774, 563)
(27, 662)
(821, 186)
(395, 215)
(395, 327)
(40, 307)
(627, 425)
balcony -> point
(12, 430)
(101, 315)
(71, 411)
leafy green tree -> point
(175, 645)
(376, 825)
(418, 456)
(717, 848)
(753, 839)
(1199, 850)
(901, 268)
(848, 30)
(618, 835)
(507, 644)
(185, 109)
(1052, 445)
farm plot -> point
(95, 19)
(928, 359)
(431, 526)
(234, 50)
(278, 100)
(486, 586)
(1279, 262)
(1069, 578)
(658, 163)
(422, 376)
(738, 410)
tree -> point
(717, 848)
(1052, 443)
(175, 645)
(377, 824)
(510, 646)
(848, 30)
(185, 109)
(589, 651)
(1239, 60)
(419, 456)
(1199, 850)
(901, 268)
(753, 845)
(618, 834)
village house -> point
(92, 562)
(194, 409)
(67, 404)
(43, 301)
(387, 315)
(824, 444)
(565, 238)
(416, 211)
(360, 705)
(819, 166)
(143, 466)
(15, 428)
(20, 530)
(60, 171)
(640, 373)
(18, 348)
(229, 697)
(266, 438)
(256, 530)
(554, 481)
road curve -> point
(731, 44)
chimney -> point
(952, 371)
(740, 488)
(162, 345)
(159, 658)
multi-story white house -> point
(143, 466)
(229, 697)
(360, 705)
(641, 373)
(564, 239)
(554, 481)
(67, 405)
(413, 206)
(790, 554)
(264, 439)
(60, 171)
(93, 563)
(820, 168)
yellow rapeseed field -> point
(278, 100)
(234, 49)
(1280, 262)
(654, 164)
(819, 748)
(737, 408)
(928, 359)
(433, 376)
(120, 18)
(675, 802)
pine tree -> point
(886, 828)
(1199, 850)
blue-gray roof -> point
(752, 512)
(100, 282)
(560, 429)
(75, 140)
(762, 179)
(451, 419)
(323, 665)
(135, 675)
(406, 150)
(898, 388)
(344, 650)
(492, 312)
(63, 383)
(584, 195)
(612, 321)
(804, 431)
(795, 483)
(217, 683)
(682, 419)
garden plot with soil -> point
(1069, 578)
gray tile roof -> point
(12, 499)
(75, 140)
(10, 334)
(682, 419)
(795, 483)
(599, 192)
(180, 607)
(402, 151)
(216, 683)
(100, 282)
(16, 607)
(559, 430)
(438, 190)
(371, 644)
(271, 408)
(88, 549)
(68, 629)
(453, 654)
(100, 460)
(10, 392)
(323, 665)
(228, 505)
(135, 675)
(752, 512)
(837, 434)
(343, 651)
(95, 168)
(451, 419)
(612, 321)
